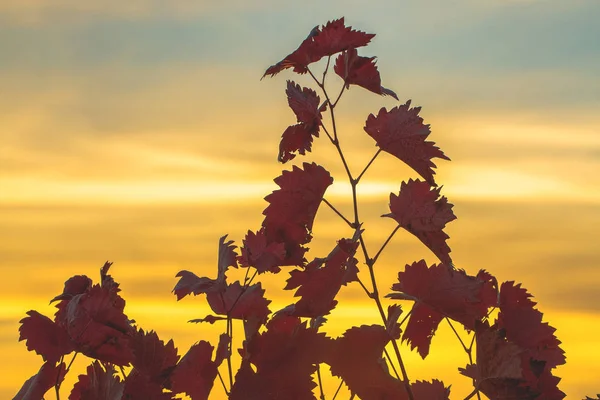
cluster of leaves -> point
(282, 352)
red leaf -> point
(356, 357)
(240, 303)
(151, 356)
(258, 253)
(106, 280)
(361, 71)
(498, 360)
(285, 357)
(419, 209)
(45, 337)
(433, 390)
(392, 327)
(296, 138)
(223, 349)
(96, 324)
(325, 41)
(140, 387)
(36, 386)
(523, 325)
(305, 103)
(195, 373)
(75, 285)
(211, 319)
(191, 283)
(98, 384)
(289, 216)
(439, 291)
(321, 280)
(401, 133)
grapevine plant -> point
(511, 353)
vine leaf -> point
(439, 291)
(45, 337)
(98, 383)
(196, 372)
(401, 133)
(420, 210)
(152, 358)
(97, 325)
(284, 358)
(434, 390)
(320, 281)
(361, 71)
(498, 360)
(292, 209)
(356, 357)
(523, 325)
(36, 386)
(298, 138)
(257, 252)
(239, 302)
(327, 40)
(190, 283)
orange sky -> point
(142, 133)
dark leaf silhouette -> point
(292, 209)
(98, 384)
(523, 326)
(239, 302)
(190, 283)
(434, 390)
(195, 373)
(36, 386)
(140, 387)
(152, 358)
(439, 291)
(257, 252)
(320, 281)
(361, 71)
(298, 138)
(285, 358)
(419, 209)
(328, 40)
(97, 325)
(45, 337)
(401, 133)
(356, 357)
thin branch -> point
(368, 165)
(406, 317)
(369, 294)
(320, 382)
(335, 210)
(222, 382)
(386, 243)
(465, 348)
(325, 70)
(473, 393)
(391, 363)
(230, 334)
(339, 96)
(338, 389)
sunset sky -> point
(140, 132)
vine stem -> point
(322, 397)
(370, 262)
(386, 243)
(222, 382)
(338, 389)
(368, 165)
(335, 210)
(58, 381)
(468, 350)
